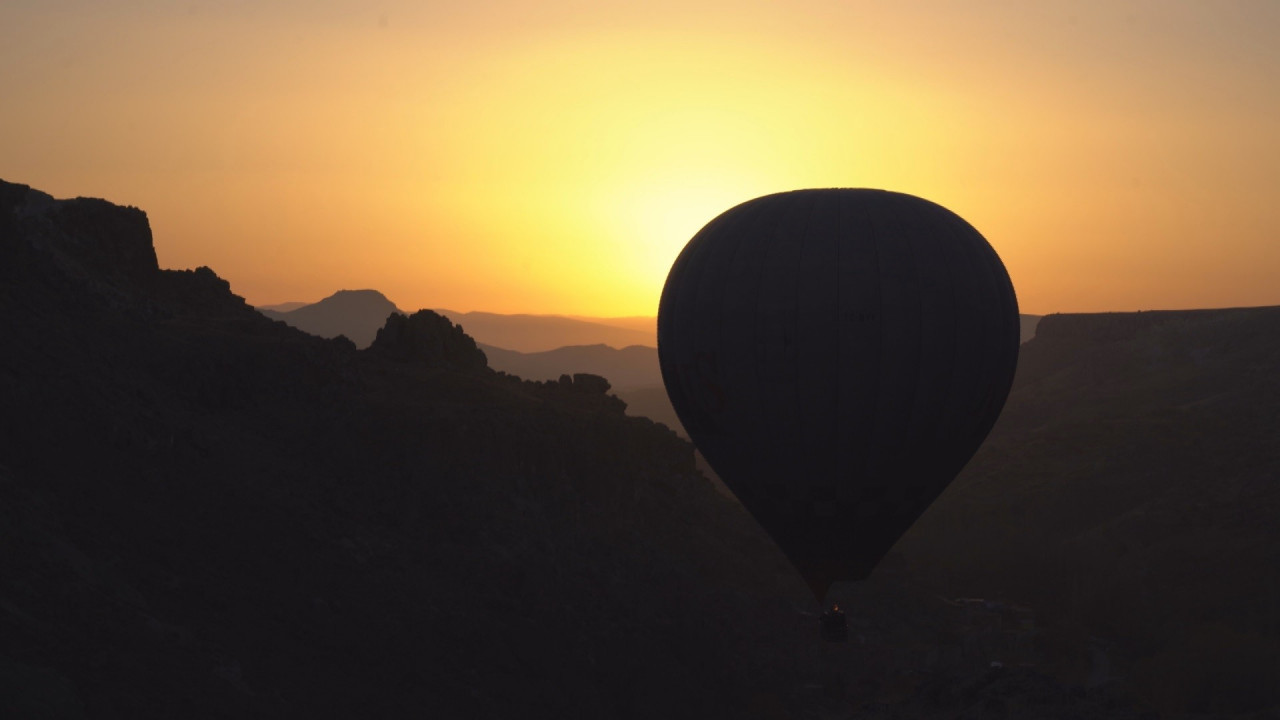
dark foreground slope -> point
(1131, 489)
(205, 513)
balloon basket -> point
(833, 626)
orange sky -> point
(553, 156)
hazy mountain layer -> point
(645, 324)
(355, 313)
(283, 307)
(629, 367)
(358, 314)
(540, 333)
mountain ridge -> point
(536, 333)
(631, 367)
(207, 513)
(529, 333)
(626, 368)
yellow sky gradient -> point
(554, 156)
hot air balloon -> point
(837, 355)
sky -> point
(554, 156)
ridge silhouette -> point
(205, 513)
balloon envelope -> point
(837, 356)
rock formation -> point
(429, 338)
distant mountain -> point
(625, 368)
(540, 333)
(644, 323)
(633, 371)
(356, 314)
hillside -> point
(205, 513)
(1128, 495)
(1130, 488)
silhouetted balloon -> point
(837, 356)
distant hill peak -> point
(356, 314)
(362, 296)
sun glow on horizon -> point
(554, 157)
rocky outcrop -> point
(89, 239)
(583, 391)
(205, 513)
(429, 338)
(585, 383)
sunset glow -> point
(553, 157)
